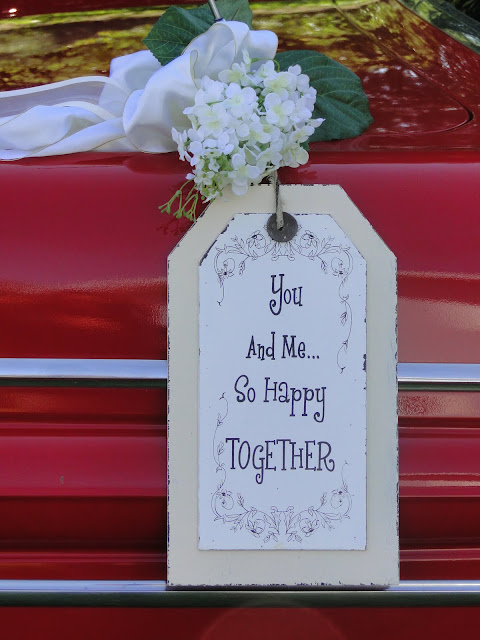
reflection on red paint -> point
(83, 274)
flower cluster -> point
(246, 125)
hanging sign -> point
(282, 404)
(282, 396)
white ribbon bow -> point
(132, 110)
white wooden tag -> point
(282, 397)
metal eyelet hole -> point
(287, 232)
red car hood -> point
(83, 275)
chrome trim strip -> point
(82, 586)
(82, 369)
(437, 586)
(156, 594)
(157, 586)
(436, 373)
(416, 373)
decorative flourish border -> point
(290, 524)
(334, 258)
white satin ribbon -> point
(134, 109)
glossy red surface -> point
(217, 624)
(423, 206)
(83, 274)
(238, 624)
(83, 451)
(429, 54)
(29, 7)
(102, 247)
(101, 289)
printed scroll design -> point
(335, 259)
(290, 524)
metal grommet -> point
(287, 232)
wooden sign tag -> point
(282, 396)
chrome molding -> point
(98, 369)
(82, 372)
(451, 376)
(111, 593)
(114, 371)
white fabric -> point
(134, 109)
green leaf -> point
(340, 96)
(177, 27)
(238, 10)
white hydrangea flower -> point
(280, 83)
(236, 74)
(242, 130)
(245, 125)
(240, 102)
(270, 159)
(265, 71)
(243, 173)
(300, 135)
(273, 131)
(212, 118)
(303, 81)
(181, 139)
(259, 134)
(278, 110)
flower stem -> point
(186, 205)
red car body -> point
(83, 277)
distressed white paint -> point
(282, 404)
(378, 562)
